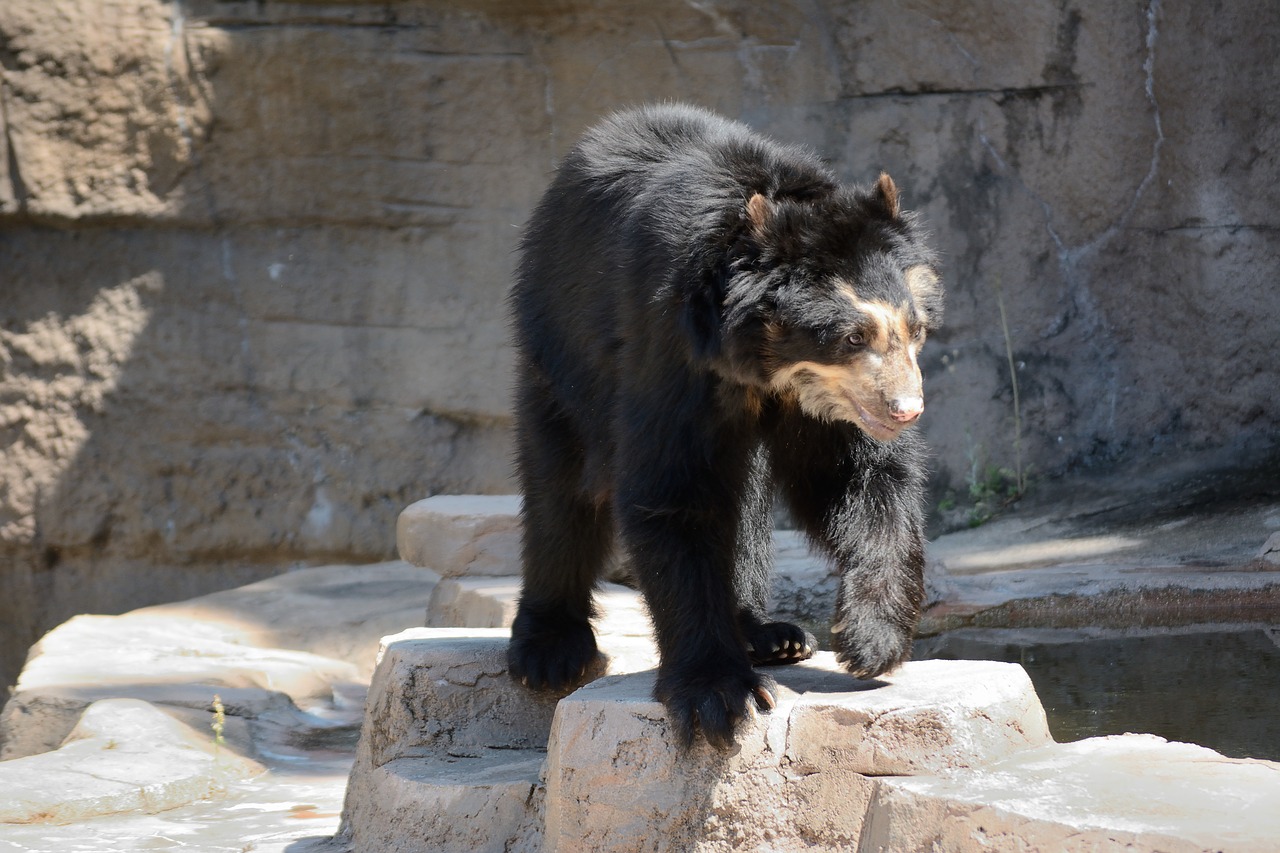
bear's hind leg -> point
(768, 643)
(552, 643)
(567, 538)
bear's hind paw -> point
(775, 643)
(556, 661)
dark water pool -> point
(1219, 689)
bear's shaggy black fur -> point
(703, 315)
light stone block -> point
(616, 781)
(448, 736)
(490, 602)
(1137, 793)
(476, 804)
(928, 717)
(185, 659)
(457, 535)
(485, 602)
(448, 691)
(797, 775)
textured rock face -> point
(252, 256)
(938, 755)
(800, 777)
(447, 736)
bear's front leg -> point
(679, 501)
(878, 603)
(862, 501)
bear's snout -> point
(905, 409)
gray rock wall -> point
(253, 255)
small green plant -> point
(989, 490)
(1019, 474)
(992, 492)
(219, 722)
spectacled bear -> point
(702, 316)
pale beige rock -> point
(931, 716)
(616, 781)
(458, 535)
(339, 612)
(474, 602)
(489, 803)
(448, 735)
(443, 690)
(491, 603)
(798, 774)
(123, 755)
(169, 660)
(450, 750)
(1129, 792)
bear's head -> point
(828, 304)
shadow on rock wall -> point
(253, 256)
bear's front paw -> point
(869, 645)
(778, 643)
(544, 655)
(716, 702)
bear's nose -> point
(906, 409)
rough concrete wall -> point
(253, 255)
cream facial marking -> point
(832, 393)
(892, 322)
(876, 388)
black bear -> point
(703, 315)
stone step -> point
(447, 735)
(491, 801)
(451, 750)
(473, 543)
(800, 775)
(1125, 792)
(490, 602)
(457, 535)
(939, 755)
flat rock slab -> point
(1127, 792)
(260, 647)
(458, 535)
(124, 755)
(170, 661)
(473, 542)
(446, 690)
(338, 611)
(490, 602)
(448, 736)
(1111, 561)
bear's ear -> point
(759, 212)
(887, 195)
